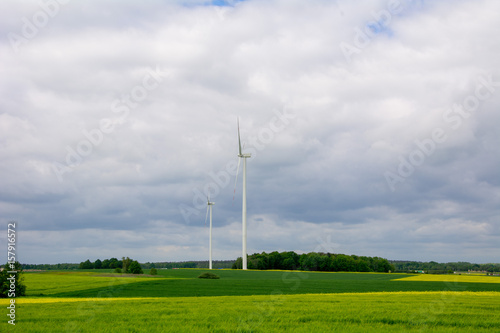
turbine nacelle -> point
(209, 203)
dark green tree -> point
(275, 260)
(324, 262)
(290, 260)
(114, 263)
(12, 285)
(263, 262)
(311, 261)
(288, 264)
(251, 264)
(343, 263)
(98, 264)
(105, 264)
(238, 264)
(362, 266)
(135, 267)
(86, 265)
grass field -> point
(183, 283)
(255, 301)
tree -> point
(105, 264)
(86, 265)
(114, 263)
(362, 266)
(288, 264)
(290, 260)
(343, 263)
(238, 264)
(11, 285)
(135, 267)
(252, 263)
(275, 260)
(126, 264)
(324, 262)
(98, 264)
(383, 265)
(263, 260)
(311, 261)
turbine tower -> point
(209, 207)
(244, 206)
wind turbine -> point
(244, 206)
(209, 207)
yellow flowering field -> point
(453, 278)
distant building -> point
(473, 271)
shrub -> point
(208, 276)
(117, 270)
(153, 271)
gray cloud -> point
(136, 105)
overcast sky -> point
(373, 128)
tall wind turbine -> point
(244, 206)
(209, 207)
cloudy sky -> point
(373, 128)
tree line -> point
(287, 260)
(48, 267)
(315, 261)
(216, 264)
(114, 263)
(104, 264)
(441, 268)
(126, 265)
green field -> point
(256, 301)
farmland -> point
(255, 301)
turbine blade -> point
(239, 140)
(236, 179)
(206, 215)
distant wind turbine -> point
(209, 207)
(244, 206)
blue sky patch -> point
(224, 3)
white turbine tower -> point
(244, 206)
(209, 207)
